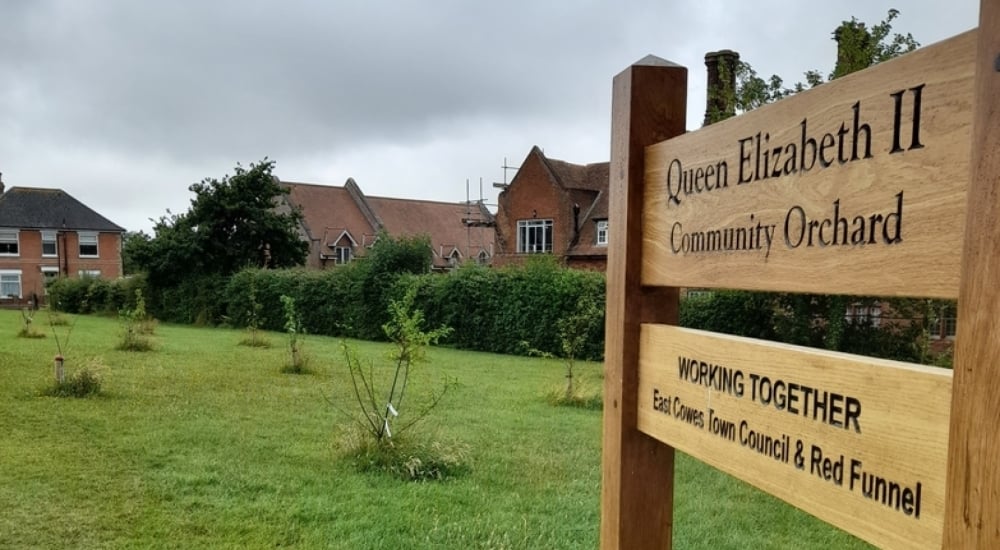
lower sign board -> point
(858, 442)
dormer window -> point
(342, 254)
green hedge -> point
(93, 295)
(511, 310)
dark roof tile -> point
(39, 208)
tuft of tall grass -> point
(85, 382)
(408, 457)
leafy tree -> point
(134, 247)
(232, 223)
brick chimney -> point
(720, 102)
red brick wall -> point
(532, 195)
(590, 264)
(30, 260)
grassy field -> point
(205, 444)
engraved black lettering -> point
(897, 119)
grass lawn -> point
(205, 444)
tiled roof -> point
(328, 211)
(40, 208)
(443, 222)
(592, 177)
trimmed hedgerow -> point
(511, 310)
(94, 295)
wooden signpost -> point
(885, 182)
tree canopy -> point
(231, 224)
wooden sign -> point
(885, 182)
(858, 442)
(865, 174)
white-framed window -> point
(88, 244)
(602, 232)
(534, 236)
(483, 258)
(49, 248)
(858, 313)
(943, 328)
(342, 254)
(91, 273)
(454, 258)
(10, 284)
(49, 274)
(9, 242)
(943, 323)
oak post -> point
(972, 500)
(649, 103)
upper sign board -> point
(855, 187)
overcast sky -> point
(125, 103)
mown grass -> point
(203, 443)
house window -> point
(49, 274)
(8, 242)
(943, 325)
(89, 273)
(49, 249)
(454, 258)
(483, 258)
(602, 233)
(10, 284)
(342, 254)
(865, 314)
(88, 245)
(534, 236)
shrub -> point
(374, 386)
(293, 328)
(135, 326)
(374, 441)
(255, 337)
(93, 295)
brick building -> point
(46, 233)
(555, 207)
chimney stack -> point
(720, 100)
(1, 183)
